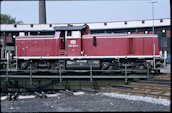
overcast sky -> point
(86, 11)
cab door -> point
(73, 43)
(62, 44)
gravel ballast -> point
(81, 102)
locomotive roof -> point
(58, 28)
(119, 34)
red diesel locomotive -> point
(73, 47)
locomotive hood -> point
(119, 34)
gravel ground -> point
(79, 103)
(167, 69)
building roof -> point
(59, 28)
(92, 26)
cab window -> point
(69, 33)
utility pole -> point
(42, 12)
(153, 1)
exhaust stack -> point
(42, 12)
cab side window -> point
(69, 33)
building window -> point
(105, 24)
(168, 33)
(14, 36)
(26, 33)
(161, 20)
(146, 32)
(31, 25)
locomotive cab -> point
(70, 40)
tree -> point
(7, 19)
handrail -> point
(30, 73)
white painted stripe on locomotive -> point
(89, 37)
(85, 57)
(34, 38)
(121, 36)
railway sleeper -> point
(40, 95)
(90, 90)
(127, 91)
(11, 97)
(67, 92)
(151, 89)
(145, 88)
(151, 84)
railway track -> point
(163, 76)
(155, 87)
(135, 92)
